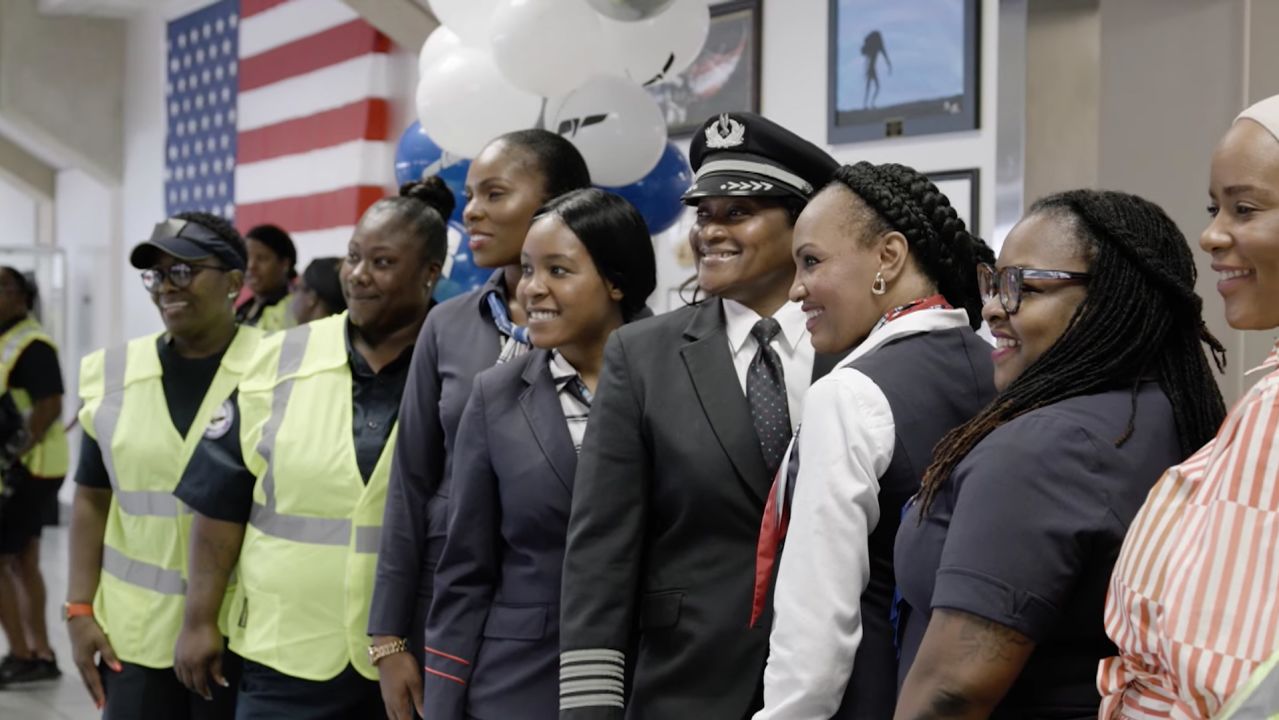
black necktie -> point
(766, 395)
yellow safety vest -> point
(142, 588)
(310, 548)
(1259, 697)
(277, 317)
(49, 457)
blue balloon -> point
(418, 156)
(657, 194)
(463, 275)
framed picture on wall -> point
(902, 68)
(723, 78)
(962, 187)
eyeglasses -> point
(180, 274)
(1007, 283)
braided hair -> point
(900, 198)
(1140, 319)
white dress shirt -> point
(791, 344)
(848, 441)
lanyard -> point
(502, 319)
(932, 302)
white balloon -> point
(546, 47)
(468, 18)
(661, 47)
(463, 102)
(630, 10)
(438, 44)
(617, 127)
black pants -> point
(143, 693)
(266, 694)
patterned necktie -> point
(766, 395)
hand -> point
(87, 642)
(197, 657)
(401, 681)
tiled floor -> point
(64, 699)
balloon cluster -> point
(575, 67)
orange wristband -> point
(70, 610)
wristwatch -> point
(377, 652)
(70, 610)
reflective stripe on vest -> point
(146, 575)
(151, 503)
(264, 516)
(1259, 697)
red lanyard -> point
(932, 302)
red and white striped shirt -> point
(1194, 598)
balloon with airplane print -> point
(615, 124)
(659, 47)
(417, 156)
(657, 195)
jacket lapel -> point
(710, 365)
(541, 405)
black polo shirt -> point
(185, 381)
(37, 370)
(218, 484)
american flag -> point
(278, 111)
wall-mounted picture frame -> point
(723, 78)
(963, 189)
(902, 68)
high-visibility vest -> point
(49, 457)
(1259, 697)
(310, 548)
(142, 588)
(277, 317)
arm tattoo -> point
(987, 641)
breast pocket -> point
(660, 609)
(516, 622)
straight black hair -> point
(616, 237)
(557, 159)
(274, 237)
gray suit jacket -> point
(669, 496)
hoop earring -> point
(881, 286)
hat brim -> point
(147, 253)
(738, 184)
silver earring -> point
(232, 296)
(881, 286)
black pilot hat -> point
(744, 154)
(185, 240)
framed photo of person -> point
(723, 78)
(962, 187)
(899, 67)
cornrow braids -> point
(903, 199)
(1140, 319)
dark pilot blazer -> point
(457, 341)
(492, 636)
(660, 563)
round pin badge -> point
(220, 423)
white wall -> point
(17, 216)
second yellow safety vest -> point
(142, 589)
(310, 548)
(49, 457)
(277, 317)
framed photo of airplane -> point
(723, 78)
(902, 67)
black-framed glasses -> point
(1006, 283)
(180, 274)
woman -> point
(1212, 521)
(588, 266)
(694, 410)
(1004, 556)
(886, 269)
(272, 258)
(290, 490)
(145, 407)
(507, 182)
(34, 464)
(319, 293)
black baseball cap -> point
(745, 154)
(185, 240)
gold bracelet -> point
(377, 652)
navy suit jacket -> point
(457, 341)
(492, 636)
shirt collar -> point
(914, 323)
(739, 320)
(495, 283)
(360, 367)
(1271, 362)
(561, 370)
